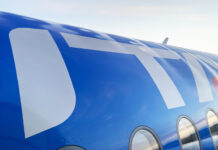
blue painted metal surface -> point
(114, 92)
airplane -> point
(70, 88)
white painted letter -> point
(46, 91)
(200, 77)
(171, 95)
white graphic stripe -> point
(160, 53)
(170, 94)
(46, 91)
(200, 77)
(93, 44)
(212, 70)
(210, 61)
(146, 55)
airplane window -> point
(212, 120)
(71, 148)
(144, 139)
(188, 135)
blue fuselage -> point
(63, 85)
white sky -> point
(190, 24)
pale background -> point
(188, 23)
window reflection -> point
(188, 136)
(144, 140)
(213, 127)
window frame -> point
(195, 128)
(146, 129)
(210, 109)
(71, 146)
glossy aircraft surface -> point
(63, 85)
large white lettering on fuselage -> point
(146, 56)
(46, 91)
